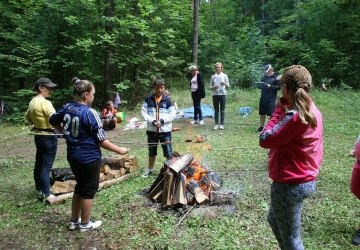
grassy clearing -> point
(132, 222)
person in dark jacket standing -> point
(269, 86)
(197, 93)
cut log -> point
(133, 164)
(168, 188)
(180, 195)
(63, 187)
(102, 177)
(105, 169)
(110, 176)
(106, 184)
(198, 193)
(222, 198)
(60, 198)
(179, 163)
(156, 192)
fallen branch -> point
(191, 208)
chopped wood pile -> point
(113, 170)
(183, 181)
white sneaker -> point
(74, 224)
(221, 127)
(91, 225)
(201, 122)
(194, 122)
(147, 173)
(216, 127)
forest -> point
(122, 45)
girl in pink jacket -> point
(355, 183)
(294, 135)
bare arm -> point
(114, 148)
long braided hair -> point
(298, 79)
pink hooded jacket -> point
(296, 149)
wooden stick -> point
(191, 208)
(45, 134)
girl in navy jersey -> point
(84, 135)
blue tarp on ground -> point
(207, 111)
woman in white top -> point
(219, 83)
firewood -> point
(116, 173)
(133, 163)
(59, 198)
(180, 195)
(110, 176)
(115, 162)
(154, 193)
(122, 171)
(222, 198)
(102, 177)
(197, 192)
(168, 188)
(105, 169)
(63, 187)
(179, 163)
(109, 183)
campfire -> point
(183, 181)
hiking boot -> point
(201, 122)
(147, 173)
(260, 129)
(221, 127)
(91, 225)
(216, 127)
(74, 224)
(194, 122)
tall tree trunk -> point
(263, 21)
(108, 12)
(195, 38)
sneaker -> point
(356, 238)
(194, 122)
(74, 224)
(147, 173)
(221, 127)
(260, 129)
(216, 127)
(50, 198)
(201, 122)
(91, 225)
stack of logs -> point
(116, 166)
(113, 170)
(183, 181)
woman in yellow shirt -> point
(38, 113)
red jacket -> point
(296, 149)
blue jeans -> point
(285, 212)
(46, 147)
(219, 102)
(197, 106)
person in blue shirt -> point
(269, 86)
(84, 134)
(159, 112)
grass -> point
(133, 222)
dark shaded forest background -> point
(122, 45)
